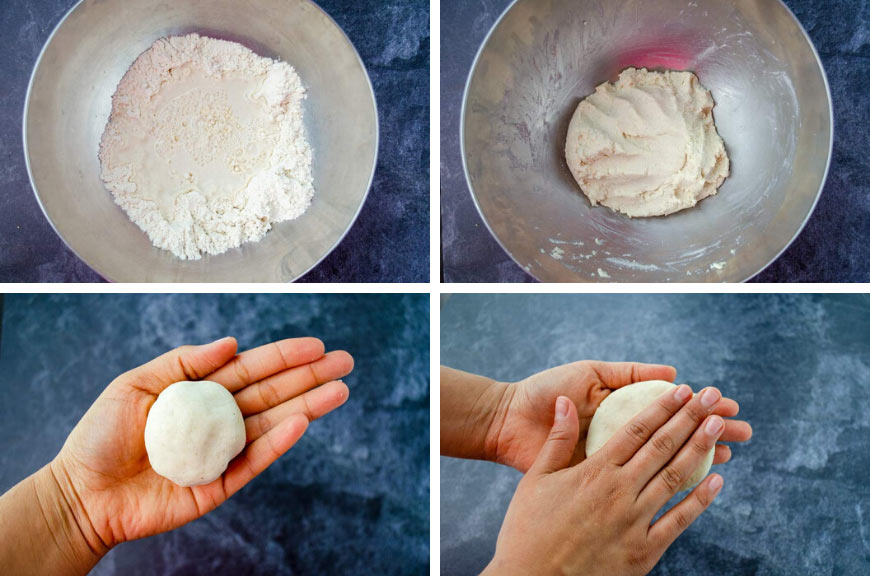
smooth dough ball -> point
(647, 145)
(193, 431)
(624, 404)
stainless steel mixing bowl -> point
(773, 109)
(69, 101)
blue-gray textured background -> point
(796, 498)
(833, 247)
(389, 241)
(352, 497)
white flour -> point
(205, 146)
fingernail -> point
(561, 408)
(219, 340)
(682, 392)
(715, 484)
(709, 397)
(713, 426)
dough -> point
(624, 404)
(647, 145)
(193, 431)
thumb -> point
(559, 448)
(183, 363)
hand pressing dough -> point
(193, 431)
(620, 407)
(647, 145)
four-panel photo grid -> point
(444, 287)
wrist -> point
(500, 398)
(498, 567)
(470, 406)
(66, 519)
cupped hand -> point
(596, 517)
(525, 414)
(103, 469)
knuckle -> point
(186, 368)
(306, 409)
(700, 446)
(663, 443)
(241, 371)
(590, 471)
(671, 477)
(668, 405)
(638, 430)
(696, 412)
(280, 351)
(258, 427)
(682, 520)
(611, 491)
(639, 557)
(701, 497)
(268, 393)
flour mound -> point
(205, 147)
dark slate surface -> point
(390, 240)
(796, 498)
(352, 497)
(832, 248)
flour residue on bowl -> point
(538, 64)
(205, 148)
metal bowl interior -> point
(69, 102)
(773, 109)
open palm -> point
(525, 421)
(279, 387)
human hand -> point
(594, 517)
(524, 413)
(103, 470)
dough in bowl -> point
(647, 145)
(192, 432)
(624, 404)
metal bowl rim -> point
(763, 268)
(105, 276)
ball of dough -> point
(647, 145)
(624, 404)
(193, 431)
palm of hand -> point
(279, 389)
(530, 413)
(106, 453)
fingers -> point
(180, 364)
(258, 363)
(293, 382)
(667, 440)
(262, 452)
(618, 374)
(736, 431)
(634, 435)
(722, 454)
(557, 451)
(663, 533)
(670, 479)
(313, 404)
(727, 408)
